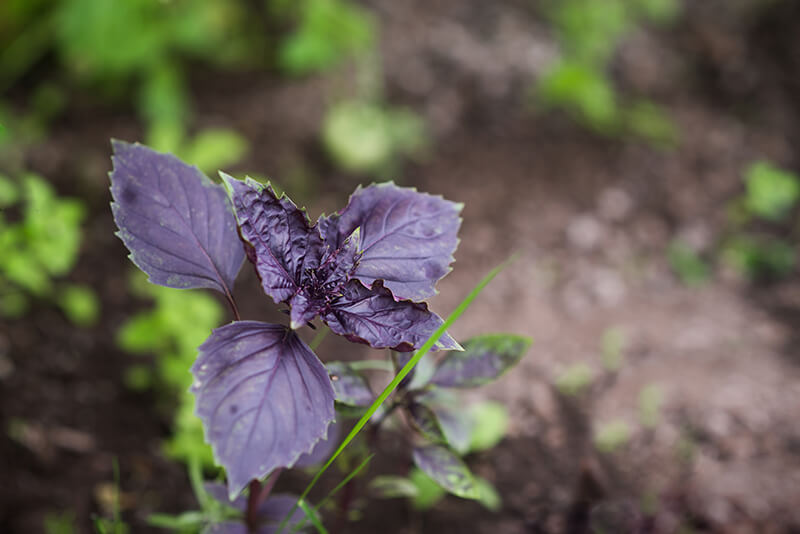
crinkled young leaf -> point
(263, 397)
(374, 317)
(350, 386)
(447, 469)
(177, 224)
(407, 238)
(284, 245)
(323, 284)
(484, 359)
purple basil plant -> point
(263, 395)
(265, 399)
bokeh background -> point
(640, 157)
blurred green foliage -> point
(589, 33)
(424, 493)
(327, 32)
(612, 348)
(365, 137)
(575, 379)
(650, 400)
(172, 330)
(763, 240)
(41, 235)
(60, 523)
(127, 47)
(610, 436)
(759, 255)
(770, 191)
(489, 425)
(687, 264)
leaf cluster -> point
(442, 431)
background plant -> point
(44, 231)
(589, 34)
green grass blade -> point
(311, 514)
(335, 490)
(461, 308)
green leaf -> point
(611, 436)
(771, 192)
(759, 256)
(9, 194)
(14, 305)
(488, 495)
(186, 520)
(575, 379)
(648, 121)
(79, 304)
(489, 425)
(329, 32)
(447, 470)
(583, 91)
(215, 148)
(428, 492)
(650, 399)
(356, 136)
(391, 487)
(685, 262)
(659, 11)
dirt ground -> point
(590, 219)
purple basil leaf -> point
(407, 238)
(263, 397)
(285, 248)
(425, 420)
(484, 359)
(447, 470)
(374, 317)
(323, 449)
(177, 224)
(455, 423)
(350, 386)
